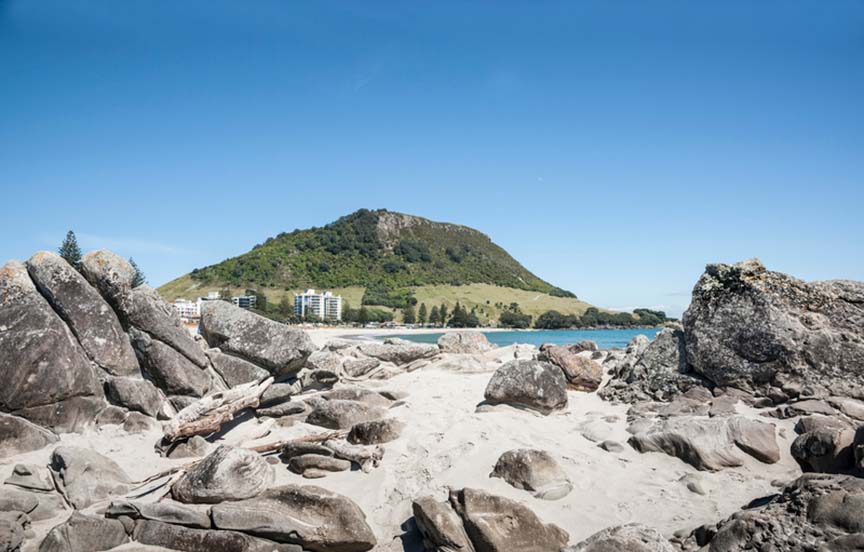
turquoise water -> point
(605, 339)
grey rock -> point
(37, 505)
(290, 408)
(582, 373)
(397, 351)
(751, 328)
(464, 343)
(134, 394)
(13, 530)
(807, 424)
(290, 450)
(109, 273)
(359, 395)
(375, 432)
(84, 532)
(188, 539)
(139, 423)
(70, 415)
(91, 319)
(166, 512)
(195, 447)
(709, 443)
(312, 517)
(498, 524)
(85, 477)
(825, 450)
(31, 476)
(531, 384)
(173, 372)
(624, 538)
(17, 436)
(234, 370)
(277, 393)
(535, 471)
(611, 446)
(227, 473)
(40, 359)
(342, 414)
(325, 360)
(440, 526)
(360, 366)
(278, 348)
(111, 415)
(327, 463)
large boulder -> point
(343, 414)
(530, 384)
(710, 443)
(188, 539)
(825, 450)
(17, 435)
(135, 394)
(582, 373)
(375, 432)
(278, 348)
(227, 473)
(111, 274)
(234, 370)
(40, 359)
(312, 517)
(70, 415)
(86, 477)
(624, 538)
(398, 351)
(90, 318)
(164, 511)
(172, 371)
(14, 526)
(464, 342)
(535, 471)
(751, 328)
(440, 526)
(83, 532)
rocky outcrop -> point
(530, 384)
(582, 373)
(535, 471)
(188, 539)
(624, 538)
(278, 348)
(754, 329)
(487, 522)
(227, 473)
(235, 370)
(17, 435)
(343, 414)
(826, 450)
(709, 443)
(464, 343)
(84, 532)
(312, 517)
(86, 477)
(91, 319)
(135, 394)
(173, 372)
(165, 512)
(397, 351)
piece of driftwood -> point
(366, 457)
(315, 438)
(206, 415)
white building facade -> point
(188, 310)
(324, 305)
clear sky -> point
(613, 147)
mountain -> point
(384, 258)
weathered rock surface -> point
(825, 450)
(710, 443)
(278, 348)
(325, 463)
(30, 476)
(583, 374)
(375, 432)
(194, 447)
(312, 517)
(134, 394)
(83, 532)
(166, 512)
(91, 319)
(235, 370)
(173, 372)
(358, 394)
(397, 351)
(325, 360)
(531, 384)
(535, 471)
(751, 328)
(227, 473)
(70, 415)
(440, 526)
(17, 436)
(40, 359)
(13, 530)
(109, 273)
(464, 343)
(342, 414)
(187, 539)
(624, 538)
(85, 477)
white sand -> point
(446, 444)
(322, 335)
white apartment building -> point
(324, 305)
(188, 310)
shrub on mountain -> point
(70, 251)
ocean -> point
(605, 339)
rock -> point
(234, 370)
(173, 372)
(227, 473)
(187, 539)
(83, 532)
(693, 483)
(135, 394)
(17, 436)
(277, 393)
(139, 423)
(111, 415)
(71, 415)
(498, 524)
(91, 319)
(359, 395)
(611, 446)
(342, 414)
(807, 424)
(825, 450)
(709, 443)
(195, 447)
(750, 328)
(464, 343)
(802, 408)
(851, 407)
(13, 530)
(312, 517)
(528, 384)
(594, 430)
(397, 351)
(375, 432)
(440, 526)
(360, 366)
(535, 471)
(624, 538)
(40, 359)
(109, 273)
(166, 512)
(85, 477)
(278, 348)
(290, 408)
(290, 450)
(328, 463)
(583, 374)
(315, 379)
(30, 476)
(325, 360)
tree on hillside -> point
(363, 316)
(434, 317)
(286, 309)
(472, 321)
(139, 278)
(459, 319)
(422, 315)
(70, 251)
(408, 316)
(442, 315)
(225, 295)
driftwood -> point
(366, 457)
(316, 438)
(207, 415)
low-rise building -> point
(324, 305)
(188, 310)
(245, 301)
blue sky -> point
(614, 148)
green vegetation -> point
(139, 278)
(513, 317)
(592, 318)
(70, 251)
